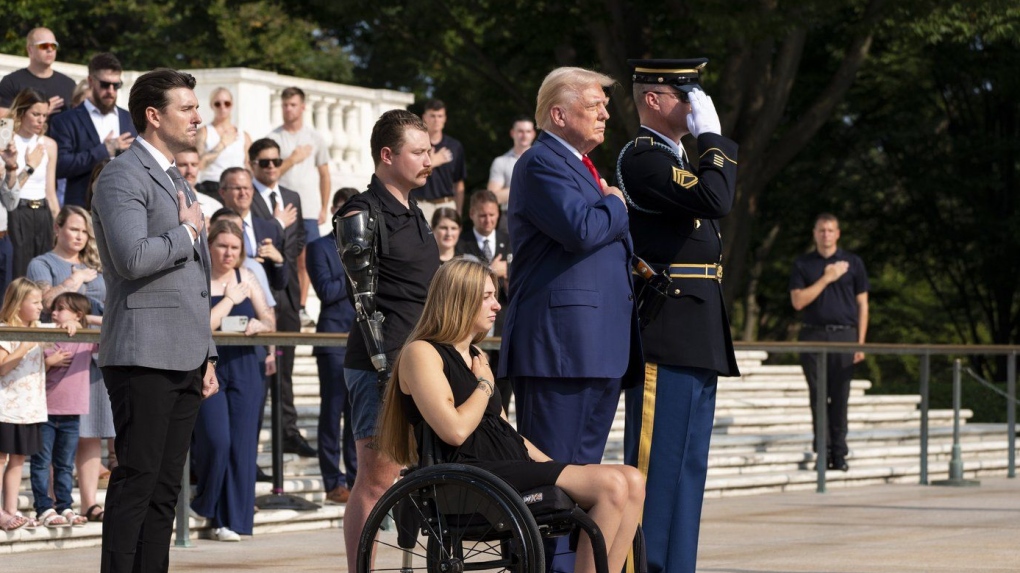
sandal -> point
(10, 521)
(73, 519)
(95, 513)
(30, 523)
(50, 518)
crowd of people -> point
(161, 231)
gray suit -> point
(153, 350)
(157, 306)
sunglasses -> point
(47, 45)
(107, 85)
(264, 163)
(681, 96)
(225, 104)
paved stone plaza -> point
(876, 529)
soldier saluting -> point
(674, 205)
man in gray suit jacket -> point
(156, 348)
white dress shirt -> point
(105, 123)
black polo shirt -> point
(444, 178)
(837, 305)
(404, 273)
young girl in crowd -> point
(67, 398)
(22, 395)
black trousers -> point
(839, 372)
(287, 320)
(154, 414)
(31, 234)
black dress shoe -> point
(839, 463)
(300, 447)
(262, 476)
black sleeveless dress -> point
(494, 445)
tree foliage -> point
(901, 117)
(219, 33)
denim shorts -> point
(363, 392)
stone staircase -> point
(761, 443)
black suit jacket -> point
(278, 275)
(80, 148)
(294, 239)
(468, 245)
(673, 215)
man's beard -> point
(101, 105)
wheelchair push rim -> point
(450, 518)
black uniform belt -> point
(32, 203)
(712, 271)
(827, 327)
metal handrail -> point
(925, 351)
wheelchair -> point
(451, 518)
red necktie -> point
(594, 172)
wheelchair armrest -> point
(547, 499)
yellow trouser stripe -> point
(647, 417)
(647, 424)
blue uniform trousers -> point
(568, 419)
(334, 404)
(669, 427)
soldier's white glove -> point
(703, 118)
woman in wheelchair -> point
(443, 380)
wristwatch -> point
(29, 169)
(212, 360)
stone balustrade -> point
(343, 114)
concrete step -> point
(992, 464)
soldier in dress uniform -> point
(674, 206)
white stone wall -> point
(343, 114)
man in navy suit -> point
(326, 273)
(263, 239)
(571, 330)
(93, 131)
(490, 245)
(274, 202)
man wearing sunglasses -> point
(273, 201)
(93, 131)
(39, 75)
(675, 202)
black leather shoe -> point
(262, 476)
(300, 447)
(839, 463)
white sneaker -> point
(224, 534)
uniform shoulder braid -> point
(644, 144)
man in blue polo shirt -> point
(830, 286)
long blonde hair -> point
(89, 255)
(448, 317)
(16, 293)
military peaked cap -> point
(681, 74)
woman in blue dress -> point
(226, 432)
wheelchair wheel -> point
(450, 518)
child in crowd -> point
(67, 398)
(22, 396)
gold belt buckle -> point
(718, 273)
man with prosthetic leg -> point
(389, 255)
(674, 206)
